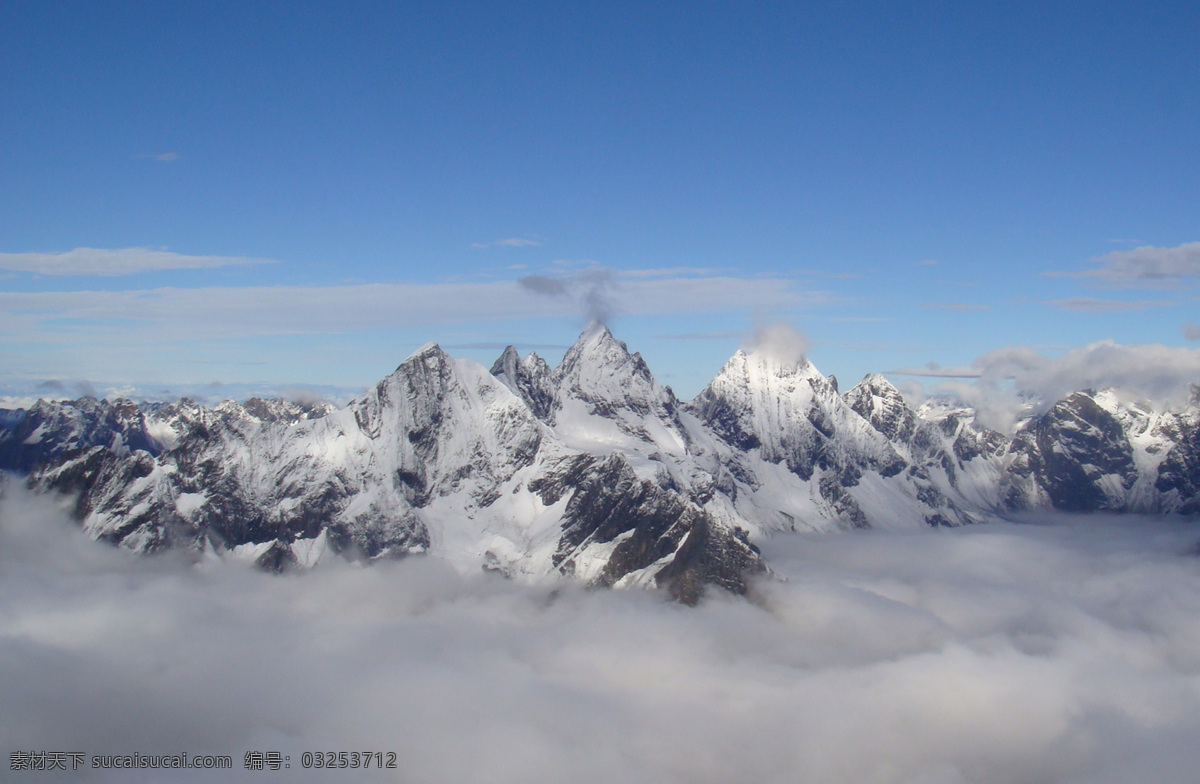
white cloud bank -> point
(1155, 371)
(1061, 655)
(124, 261)
(1007, 379)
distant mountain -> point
(591, 470)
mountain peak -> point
(877, 384)
(877, 400)
(528, 378)
(597, 335)
(507, 363)
(602, 388)
(430, 349)
(596, 347)
(596, 329)
(757, 362)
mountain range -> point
(591, 470)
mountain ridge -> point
(591, 470)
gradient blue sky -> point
(298, 192)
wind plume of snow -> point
(541, 284)
(1058, 653)
(594, 290)
(599, 293)
(779, 341)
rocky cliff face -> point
(591, 470)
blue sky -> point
(302, 193)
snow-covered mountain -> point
(591, 470)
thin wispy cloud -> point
(1191, 331)
(928, 263)
(510, 242)
(705, 336)
(856, 319)
(1144, 267)
(161, 157)
(873, 347)
(666, 272)
(815, 273)
(598, 293)
(1095, 305)
(934, 370)
(125, 261)
(959, 306)
(243, 312)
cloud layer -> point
(266, 310)
(1066, 653)
(1008, 379)
(125, 261)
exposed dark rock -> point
(1071, 447)
(711, 557)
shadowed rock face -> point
(51, 431)
(1071, 447)
(883, 407)
(725, 419)
(1179, 473)
(711, 556)
(529, 379)
(592, 469)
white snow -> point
(187, 503)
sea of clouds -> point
(1051, 650)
